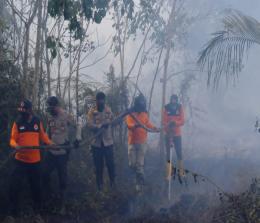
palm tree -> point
(223, 55)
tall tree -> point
(26, 13)
(223, 55)
(25, 66)
(38, 54)
(168, 44)
(46, 53)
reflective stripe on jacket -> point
(28, 134)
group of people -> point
(28, 135)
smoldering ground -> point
(222, 146)
(195, 202)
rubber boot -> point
(181, 168)
(62, 206)
(139, 187)
(168, 170)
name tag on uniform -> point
(36, 127)
(22, 128)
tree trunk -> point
(154, 79)
(164, 91)
(48, 63)
(47, 58)
(77, 86)
(48, 70)
(37, 57)
(77, 74)
(58, 91)
(168, 45)
(25, 64)
(70, 73)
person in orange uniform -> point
(173, 119)
(137, 138)
(27, 131)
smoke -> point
(219, 137)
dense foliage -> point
(70, 10)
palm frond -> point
(223, 55)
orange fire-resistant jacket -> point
(28, 134)
(175, 115)
(138, 135)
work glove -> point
(76, 144)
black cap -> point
(100, 96)
(140, 103)
(140, 98)
(174, 96)
(52, 101)
(25, 105)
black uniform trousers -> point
(52, 163)
(32, 173)
(103, 155)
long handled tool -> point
(143, 126)
(170, 176)
(116, 121)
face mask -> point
(52, 111)
(100, 106)
(24, 115)
(173, 103)
(140, 107)
(174, 100)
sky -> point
(229, 114)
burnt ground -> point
(194, 202)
